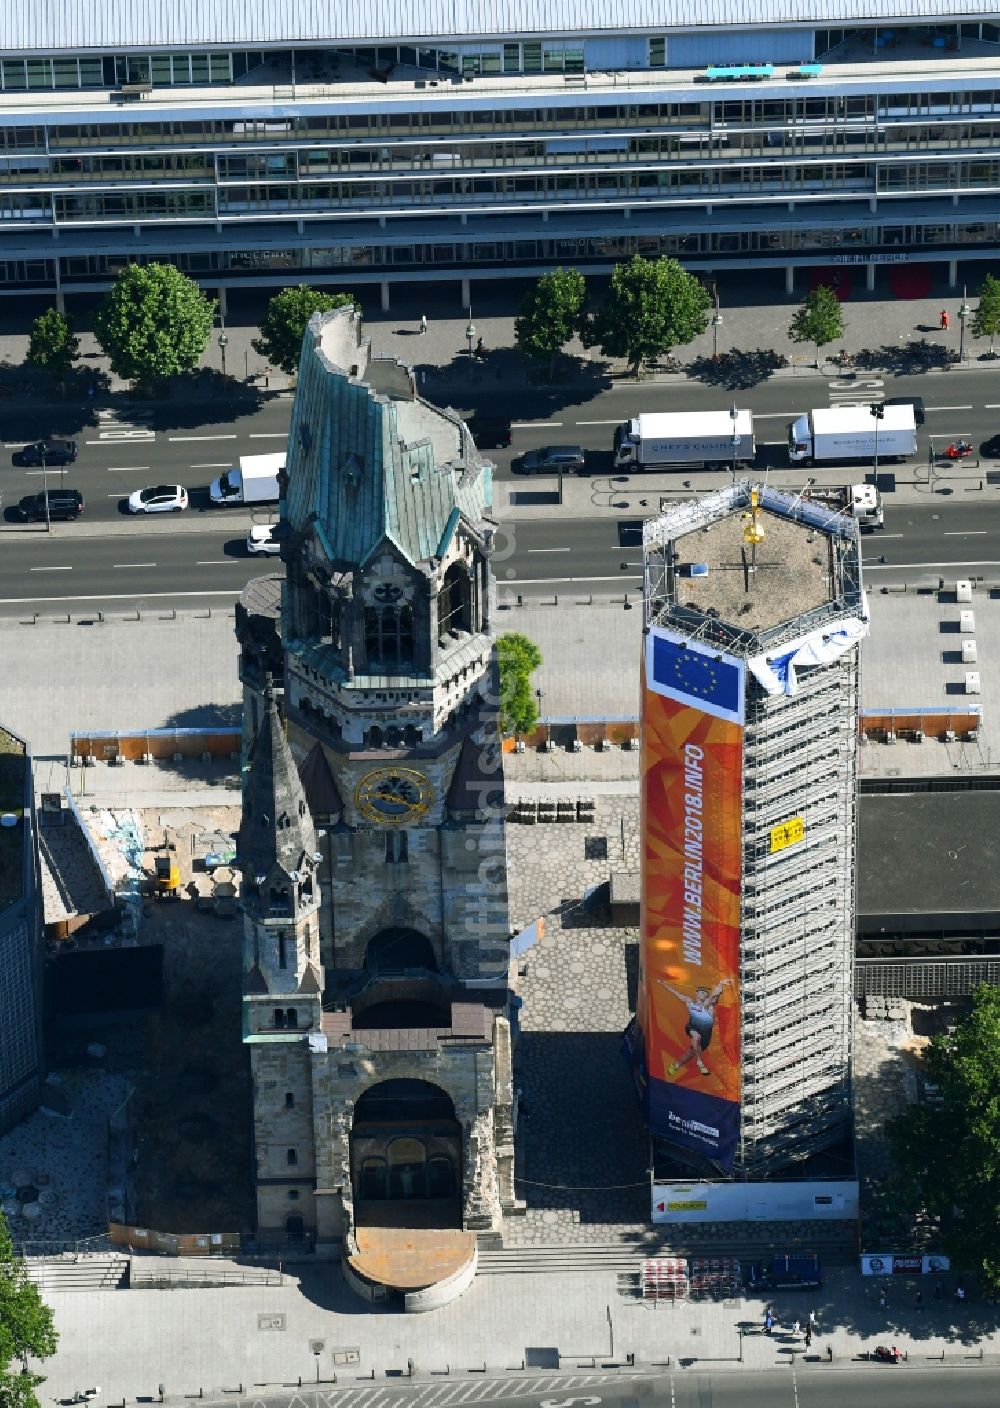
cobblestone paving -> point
(583, 1147)
(65, 1158)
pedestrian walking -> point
(920, 1300)
(479, 349)
(809, 1336)
(768, 1321)
(812, 1321)
(883, 1299)
(945, 320)
(423, 323)
(796, 1329)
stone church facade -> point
(372, 844)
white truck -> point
(853, 433)
(675, 439)
(861, 501)
(254, 482)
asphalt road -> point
(126, 561)
(805, 1386)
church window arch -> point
(389, 636)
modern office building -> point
(754, 612)
(372, 842)
(21, 949)
(283, 140)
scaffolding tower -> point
(756, 572)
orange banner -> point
(687, 1019)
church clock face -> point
(393, 796)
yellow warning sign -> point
(789, 833)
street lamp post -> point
(716, 325)
(223, 344)
(878, 411)
(734, 417)
(470, 333)
(963, 314)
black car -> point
(48, 452)
(63, 503)
(917, 402)
(553, 459)
(491, 432)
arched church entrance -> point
(399, 951)
(406, 1157)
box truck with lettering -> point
(254, 482)
(853, 433)
(680, 439)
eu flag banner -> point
(696, 674)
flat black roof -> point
(929, 853)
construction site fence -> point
(144, 1239)
(165, 744)
(587, 733)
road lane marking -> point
(597, 422)
(106, 436)
(269, 435)
(215, 562)
(774, 415)
(133, 564)
(112, 596)
(50, 569)
(929, 409)
(883, 536)
(547, 581)
(177, 439)
(129, 469)
(965, 533)
(549, 549)
(992, 406)
(535, 424)
(900, 566)
(216, 464)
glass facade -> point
(414, 170)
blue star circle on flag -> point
(698, 677)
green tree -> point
(819, 319)
(651, 305)
(154, 322)
(285, 321)
(986, 319)
(52, 345)
(517, 657)
(550, 315)
(26, 1328)
(948, 1153)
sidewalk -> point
(129, 1342)
(872, 321)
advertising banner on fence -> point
(903, 1264)
(685, 1040)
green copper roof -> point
(370, 467)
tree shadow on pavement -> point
(481, 383)
(737, 370)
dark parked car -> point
(801, 1271)
(63, 503)
(491, 432)
(917, 402)
(50, 452)
(550, 459)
